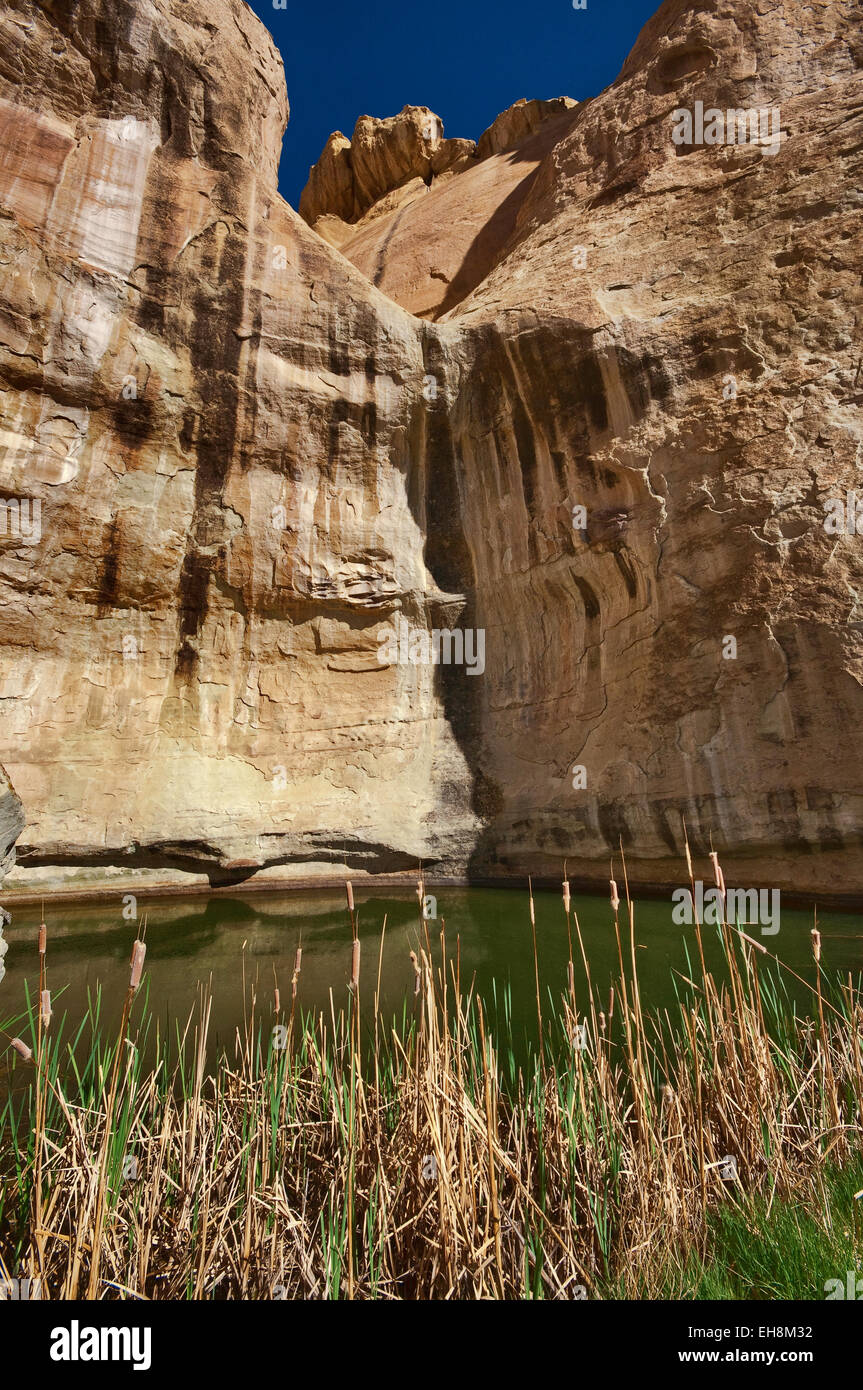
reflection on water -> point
(219, 940)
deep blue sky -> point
(465, 59)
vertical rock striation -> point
(248, 459)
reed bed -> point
(329, 1157)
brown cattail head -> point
(43, 939)
(139, 950)
(278, 1003)
(355, 964)
(816, 944)
(615, 900)
(421, 891)
(417, 973)
(298, 965)
(46, 1007)
(570, 976)
(566, 895)
(349, 889)
(22, 1049)
(714, 859)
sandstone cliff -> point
(11, 824)
(248, 458)
(428, 253)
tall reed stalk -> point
(412, 1157)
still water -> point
(224, 941)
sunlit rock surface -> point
(442, 219)
(249, 458)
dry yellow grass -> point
(412, 1170)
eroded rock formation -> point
(428, 253)
(249, 458)
(11, 824)
(384, 157)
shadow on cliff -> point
(488, 247)
(545, 418)
(491, 244)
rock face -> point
(382, 157)
(429, 247)
(11, 825)
(521, 120)
(389, 201)
(610, 454)
(223, 428)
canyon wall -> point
(588, 395)
(11, 824)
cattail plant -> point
(41, 1089)
(355, 965)
(295, 978)
(354, 1079)
(417, 973)
(615, 907)
(136, 967)
(298, 965)
(691, 876)
(535, 966)
(603, 1168)
(139, 951)
(570, 969)
(349, 890)
(718, 875)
